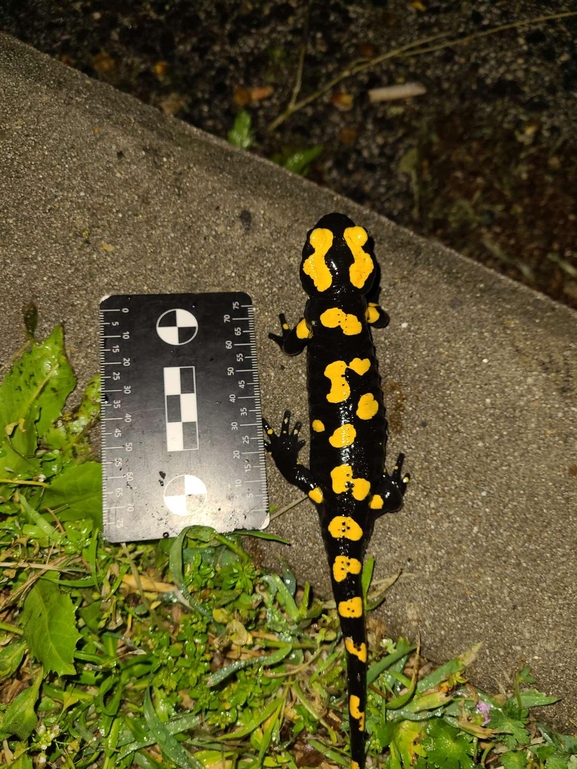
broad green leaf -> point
(70, 431)
(514, 759)
(79, 488)
(403, 738)
(31, 398)
(38, 384)
(20, 717)
(50, 627)
(10, 658)
(446, 747)
(240, 135)
(503, 723)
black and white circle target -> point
(177, 326)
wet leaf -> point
(20, 717)
(50, 627)
(447, 748)
(76, 493)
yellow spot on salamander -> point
(318, 426)
(315, 266)
(360, 365)
(344, 527)
(351, 608)
(367, 406)
(344, 566)
(363, 266)
(340, 389)
(349, 324)
(373, 313)
(359, 651)
(354, 765)
(376, 502)
(342, 477)
(356, 712)
(335, 372)
(316, 495)
(343, 436)
(303, 330)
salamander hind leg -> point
(284, 449)
(388, 496)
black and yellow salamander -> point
(347, 479)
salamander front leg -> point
(284, 449)
(292, 341)
(388, 496)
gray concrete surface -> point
(100, 194)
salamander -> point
(347, 480)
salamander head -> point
(338, 257)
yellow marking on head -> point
(316, 495)
(342, 477)
(356, 712)
(315, 266)
(360, 365)
(344, 527)
(351, 608)
(335, 371)
(303, 330)
(363, 266)
(376, 502)
(334, 318)
(354, 765)
(318, 426)
(372, 313)
(343, 566)
(343, 436)
(367, 406)
(359, 651)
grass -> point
(184, 652)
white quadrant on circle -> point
(185, 495)
(181, 412)
(176, 327)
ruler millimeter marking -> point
(182, 439)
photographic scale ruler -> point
(182, 439)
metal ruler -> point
(182, 439)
